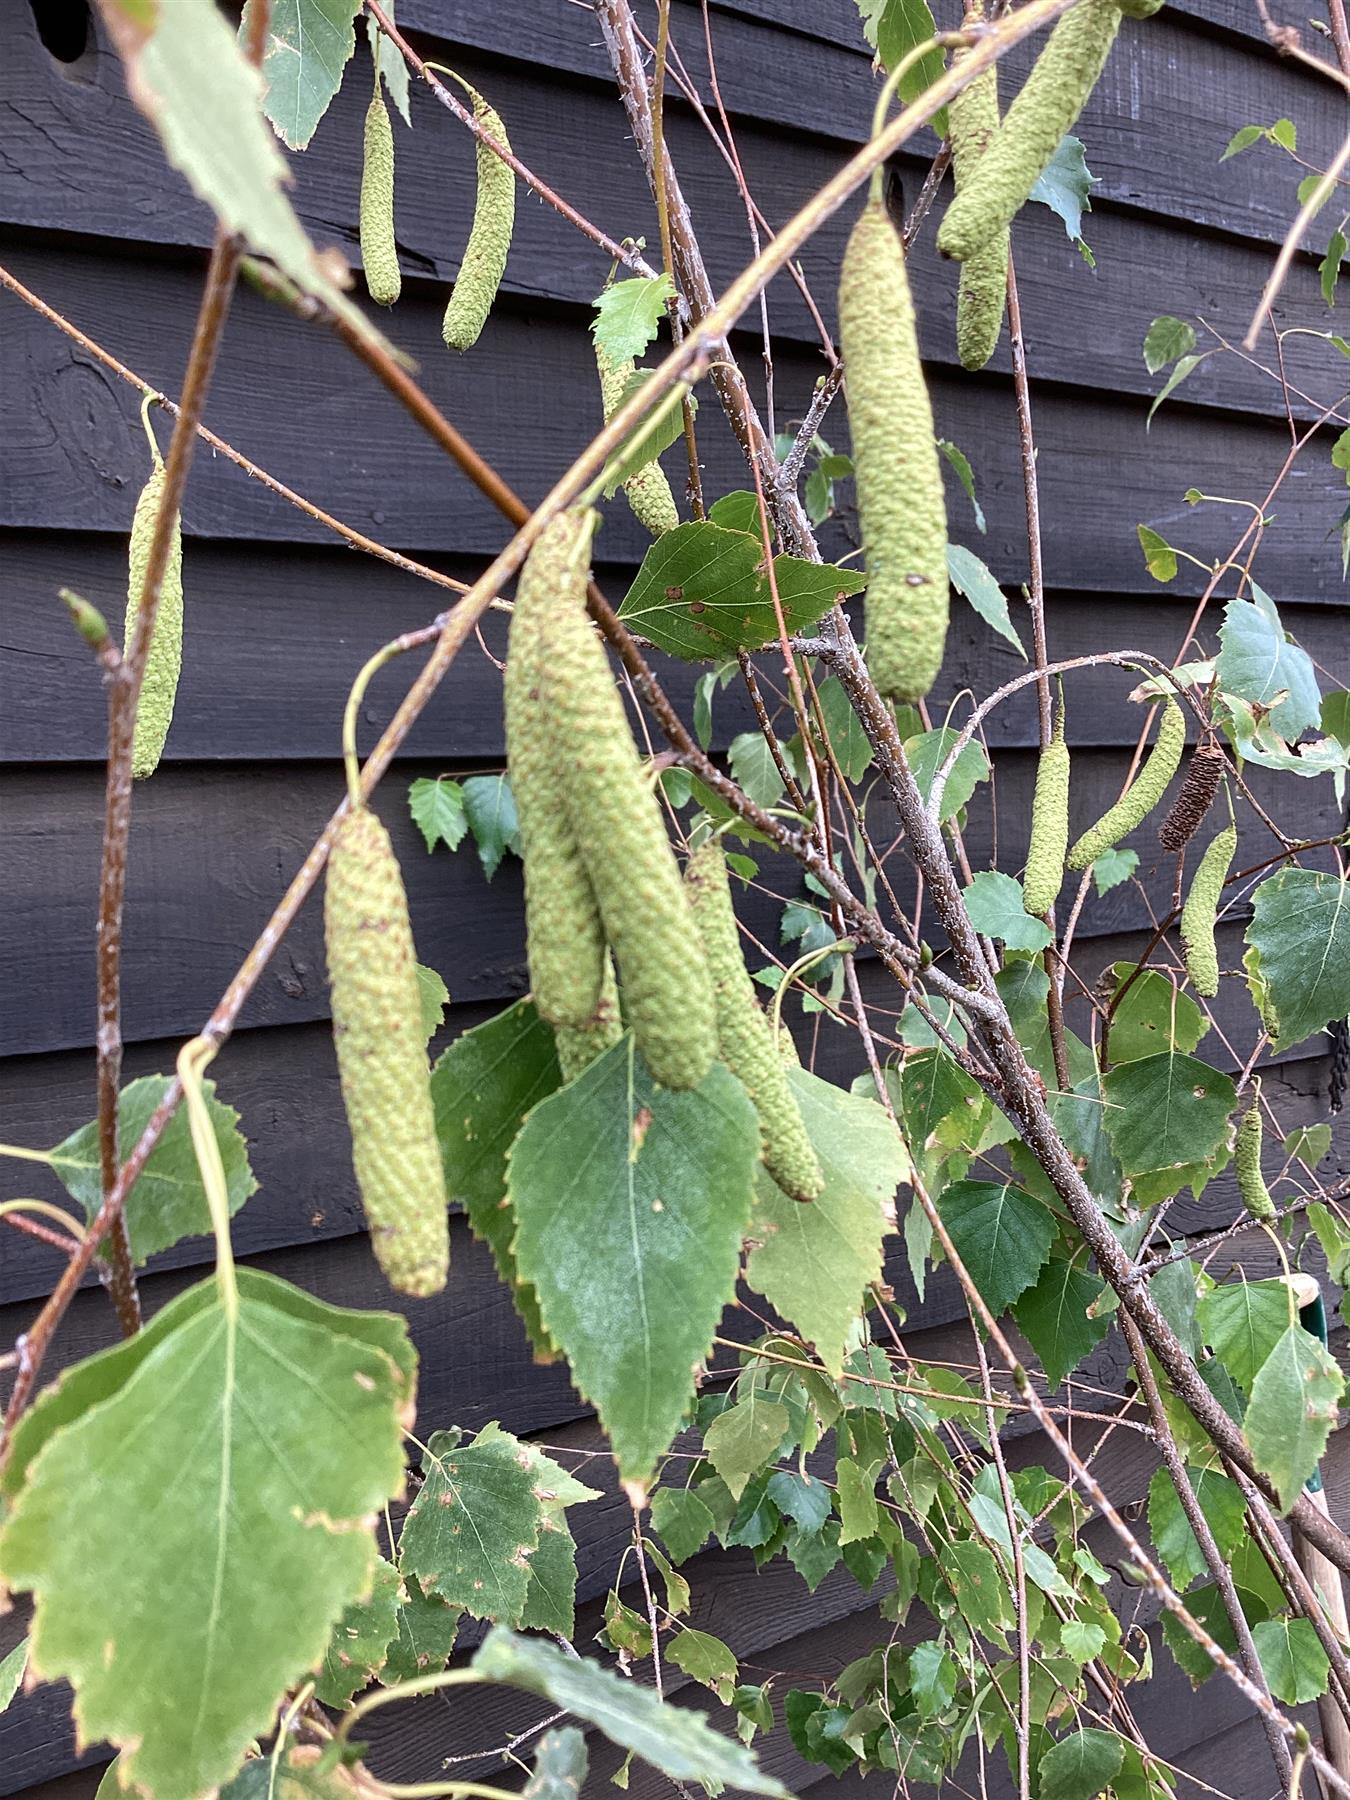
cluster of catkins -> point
(494, 216)
(601, 881)
(1049, 853)
(899, 478)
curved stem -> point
(45, 1209)
(193, 1060)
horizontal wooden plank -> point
(76, 459)
(258, 615)
(1170, 88)
(191, 918)
(1085, 326)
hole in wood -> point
(63, 26)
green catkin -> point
(1247, 1163)
(382, 1059)
(1143, 793)
(578, 1048)
(494, 217)
(619, 828)
(745, 1039)
(1201, 910)
(1049, 827)
(899, 479)
(1049, 103)
(648, 492)
(565, 938)
(983, 289)
(163, 665)
(379, 251)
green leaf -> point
(276, 1433)
(1166, 1112)
(1167, 339)
(966, 476)
(702, 593)
(1186, 366)
(856, 1498)
(1334, 1237)
(1220, 1501)
(654, 433)
(1310, 1143)
(360, 1641)
(11, 1672)
(1283, 133)
(389, 60)
(1205, 1604)
(559, 1771)
(664, 1181)
(980, 1587)
(971, 577)
(1258, 663)
(744, 1437)
(297, 1773)
(1329, 269)
(550, 1598)
(1065, 186)
(1292, 1660)
(994, 902)
(814, 1263)
(1159, 556)
(804, 1499)
(1053, 1317)
(1112, 868)
(848, 740)
(309, 43)
(1079, 1766)
(941, 1106)
(895, 27)
(475, 1524)
(1002, 1235)
(926, 754)
(437, 807)
(673, 1739)
(482, 1089)
(189, 77)
(168, 1201)
(1154, 1016)
(814, 1553)
(432, 997)
(490, 808)
(1295, 1400)
(683, 1521)
(1242, 1321)
(737, 511)
(754, 769)
(1300, 929)
(932, 1679)
(707, 1660)
(427, 1627)
(628, 316)
(1081, 1640)
(1243, 140)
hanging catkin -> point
(983, 289)
(745, 1041)
(648, 491)
(494, 217)
(1049, 826)
(1187, 811)
(1142, 795)
(578, 1047)
(164, 662)
(564, 935)
(1247, 1162)
(379, 251)
(899, 480)
(1199, 914)
(619, 828)
(382, 1059)
(1053, 95)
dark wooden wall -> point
(280, 616)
